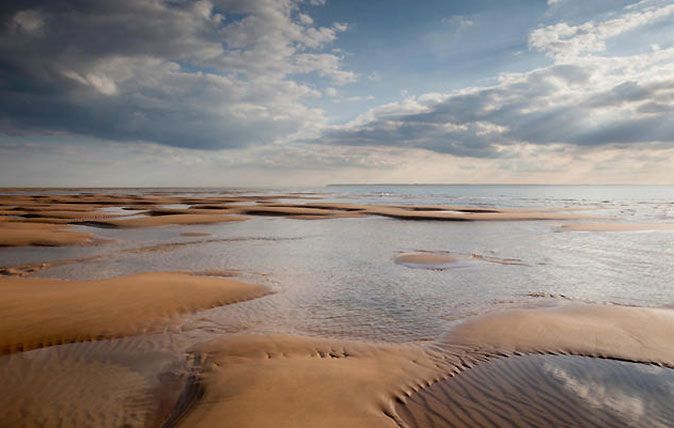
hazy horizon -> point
(146, 93)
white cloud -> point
(204, 74)
(582, 100)
(239, 73)
(564, 41)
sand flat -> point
(171, 219)
(445, 260)
(546, 391)
(284, 210)
(267, 205)
(609, 331)
(289, 381)
(37, 312)
(127, 382)
(73, 394)
(410, 213)
(13, 234)
(427, 259)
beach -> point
(394, 306)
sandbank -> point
(608, 331)
(165, 220)
(36, 312)
(428, 260)
(13, 233)
(289, 381)
(445, 260)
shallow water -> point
(338, 278)
(339, 275)
(547, 390)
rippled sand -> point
(13, 234)
(125, 347)
(544, 390)
(41, 312)
(607, 331)
(290, 381)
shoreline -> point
(178, 365)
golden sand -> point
(166, 220)
(37, 312)
(608, 331)
(442, 260)
(514, 391)
(14, 233)
(73, 394)
(289, 381)
(77, 208)
(426, 259)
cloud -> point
(563, 41)
(70, 161)
(204, 74)
(588, 102)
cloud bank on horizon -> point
(253, 91)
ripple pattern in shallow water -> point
(546, 390)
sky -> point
(313, 92)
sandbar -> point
(427, 260)
(608, 331)
(290, 381)
(446, 260)
(166, 220)
(14, 234)
(37, 312)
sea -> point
(338, 277)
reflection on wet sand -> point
(160, 348)
(538, 390)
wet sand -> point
(302, 382)
(291, 381)
(42, 312)
(74, 393)
(159, 210)
(194, 234)
(427, 260)
(164, 220)
(262, 380)
(14, 234)
(447, 260)
(607, 331)
(545, 390)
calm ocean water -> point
(337, 277)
